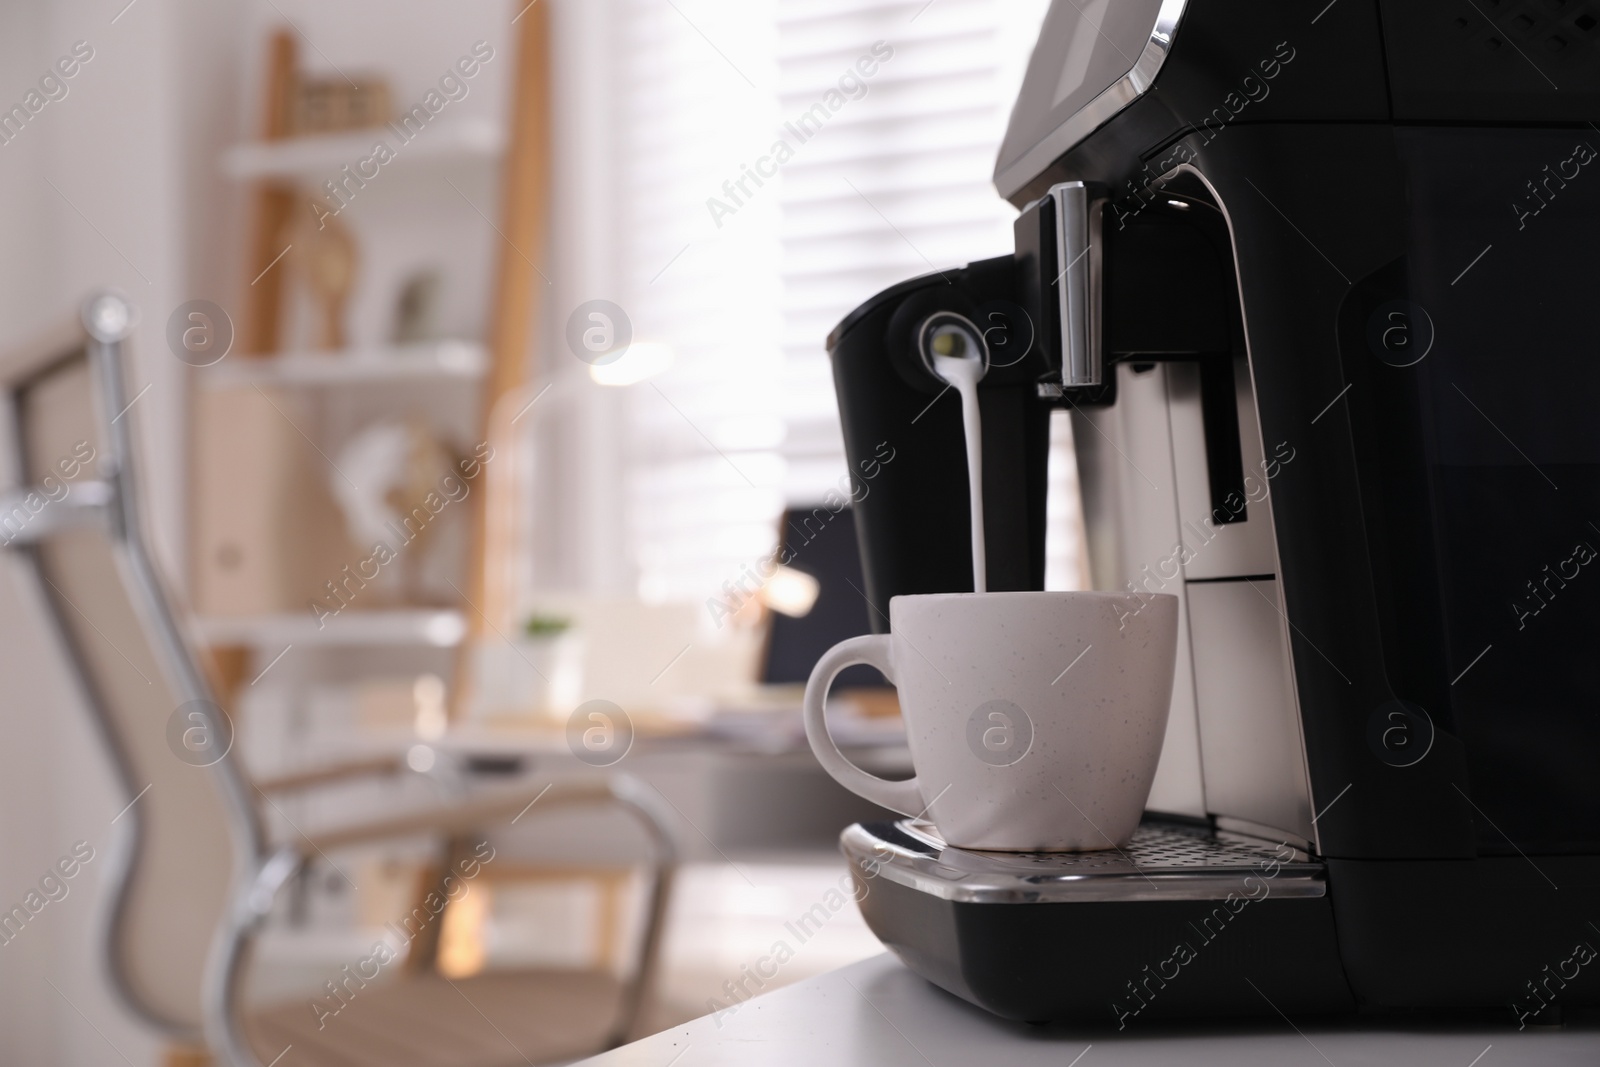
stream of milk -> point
(963, 373)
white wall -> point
(131, 147)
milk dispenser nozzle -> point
(946, 337)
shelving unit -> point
(276, 412)
(459, 360)
(321, 436)
(396, 628)
(318, 157)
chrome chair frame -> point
(259, 869)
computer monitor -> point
(821, 543)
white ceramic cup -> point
(1035, 719)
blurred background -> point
(558, 346)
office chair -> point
(198, 873)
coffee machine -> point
(1312, 281)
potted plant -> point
(539, 673)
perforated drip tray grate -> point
(1162, 862)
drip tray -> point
(1163, 862)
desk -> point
(735, 796)
(878, 1014)
(761, 793)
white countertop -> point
(876, 1013)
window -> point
(783, 161)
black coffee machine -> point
(1313, 281)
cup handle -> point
(873, 650)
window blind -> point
(784, 161)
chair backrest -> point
(189, 828)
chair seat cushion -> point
(488, 1020)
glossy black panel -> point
(1494, 60)
(1500, 229)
